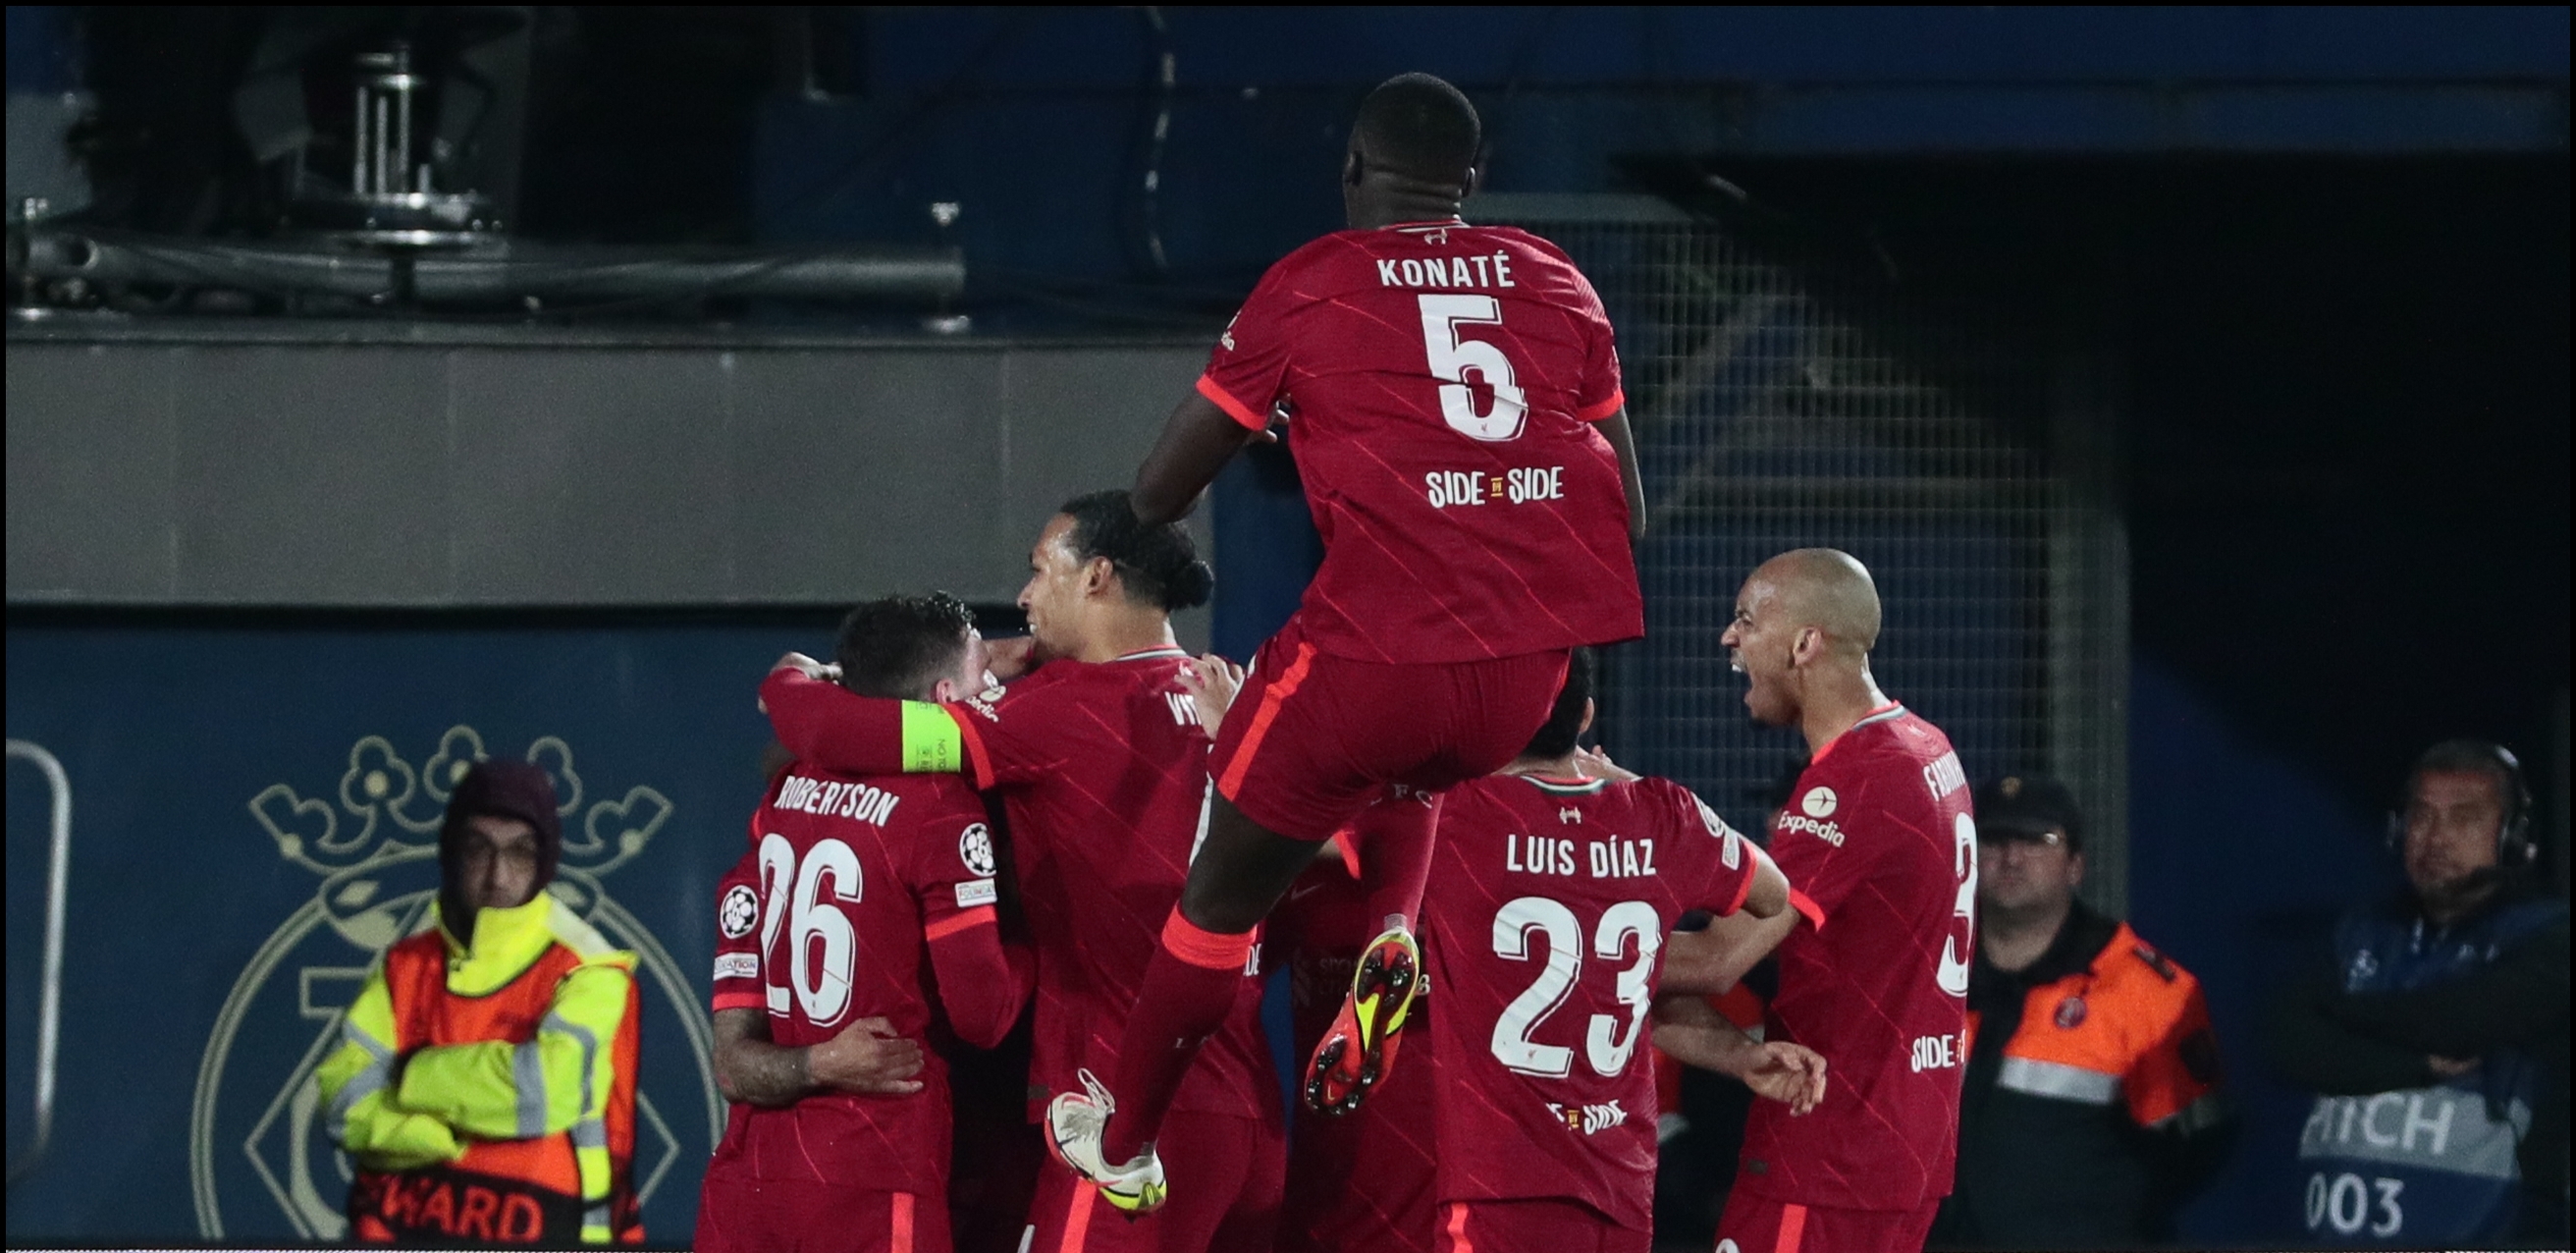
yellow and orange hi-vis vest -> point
(488, 1095)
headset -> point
(2515, 848)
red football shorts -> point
(1759, 1224)
(1313, 737)
(1226, 1175)
(744, 1215)
(1534, 1226)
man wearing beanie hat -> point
(2091, 1107)
(485, 1080)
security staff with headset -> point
(2435, 1029)
(2091, 1107)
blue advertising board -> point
(254, 815)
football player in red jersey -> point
(1551, 894)
(1457, 419)
(1100, 760)
(838, 1136)
(1880, 841)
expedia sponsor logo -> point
(1588, 1119)
(1457, 489)
(1830, 833)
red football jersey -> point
(1545, 921)
(1882, 847)
(1441, 381)
(827, 920)
(1102, 770)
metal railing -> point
(49, 1013)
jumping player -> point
(838, 1136)
(1880, 842)
(1100, 760)
(1456, 413)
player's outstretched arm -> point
(866, 1058)
(1624, 442)
(983, 982)
(1712, 961)
(1197, 440)
(839, 730)
(1769, 897)
(1695, 1034)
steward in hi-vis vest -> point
(485, 1081)
(2092, 1108)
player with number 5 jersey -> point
(1453, 403)
(1441, 382)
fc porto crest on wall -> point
(370, 839)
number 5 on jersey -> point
(1454, 357)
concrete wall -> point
(411, 467)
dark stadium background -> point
(2314, 262)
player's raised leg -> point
(1393, 859)
(1240, 872)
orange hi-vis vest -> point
(2129, 1029)
(488, 1094)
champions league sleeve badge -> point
(260, 1166)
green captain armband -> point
(931, 743)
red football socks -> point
(1395, 860)
(1189, 988)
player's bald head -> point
(1419, 126)
(1825, 588)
